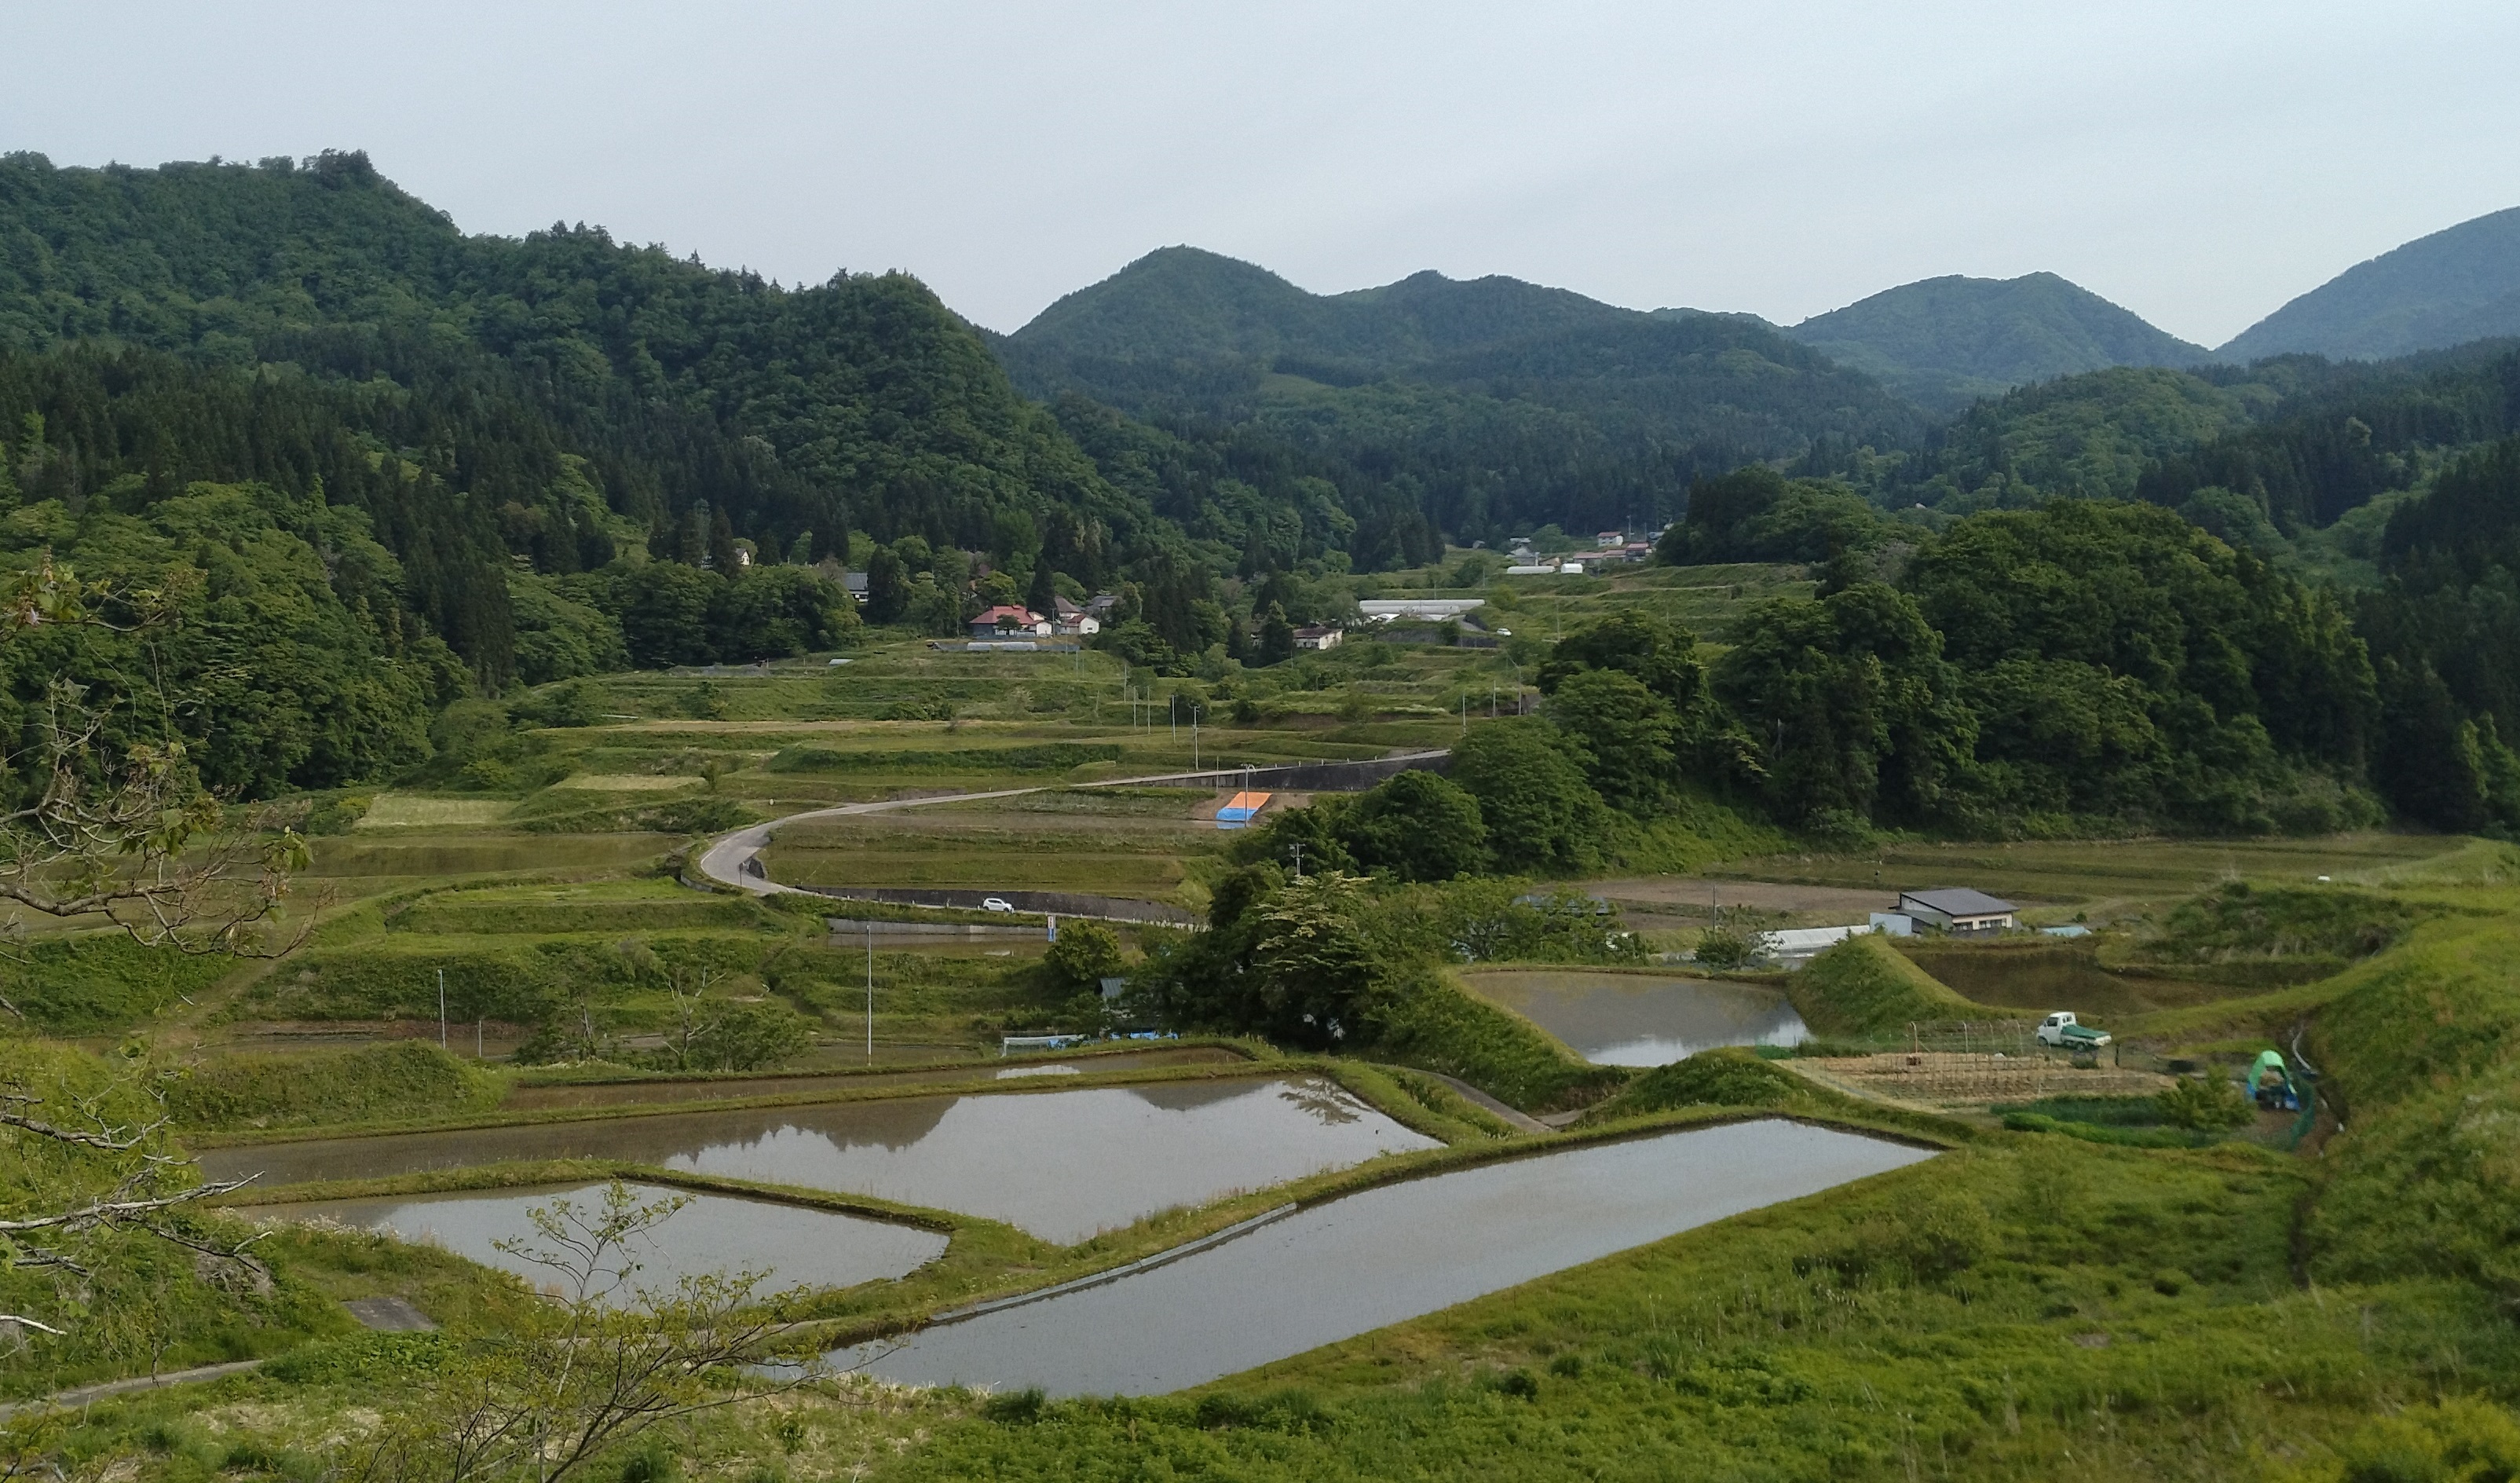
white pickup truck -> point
(2060, 1029)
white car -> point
(997, 904)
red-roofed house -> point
(1006, 622)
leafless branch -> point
(118, 1212)
(23, 1321)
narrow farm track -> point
(725, 858)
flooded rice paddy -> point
(791, 1245)
(1062, 1165)
(1381, 1256)
(1630, 1019)
(727, 1087)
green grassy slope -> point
(1866, 987)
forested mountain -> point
(869, 398)
(2296, 442)
(1480, 408)
(1945, 343)
(1183, 303)
(561, 392)
(2454, 286)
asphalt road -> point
(726, 856)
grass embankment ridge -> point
(457, 1122)
(611, 1073)
(1435, 1023)
(373, 1083)
(2424, 1046)
(102, 982)
(1866, 988)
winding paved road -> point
(726, 856)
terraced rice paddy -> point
(1381, 1256)
(789, 1245)
(1634, 1019)
(1062, 1165)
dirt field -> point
(1952, 1079)
(1688, 896)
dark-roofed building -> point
(1958, 909)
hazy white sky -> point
(2198, 162)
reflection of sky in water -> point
(711, 1233)
(1062, 1165)
(1383, 1255)
(1617, 1019)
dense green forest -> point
(382, 463)
(2088, 666)
(2300, 441)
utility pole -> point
(1492, 694)
(1194, 739)
(442, 1009)
(1299, 860)
(1172, 718)
(870, 946)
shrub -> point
(338, 816)
(2205, 1106)
(1727, 948)
(1015, 1407)
(1086, 953)
(1729, 1077)
(2455, 1441)
(1936, 1238)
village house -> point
(1069, 620)
(1007, 622)
(1958, 909)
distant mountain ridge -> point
(1945, 343)
(1179, 302)
(1185, 328)
(2458, 284)
(1491, 402)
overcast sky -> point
(2198, 162)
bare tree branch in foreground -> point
(605, 1358)
(126, 833)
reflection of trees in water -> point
(894, 1124)
(1324, 1102)
(1190, 1096)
